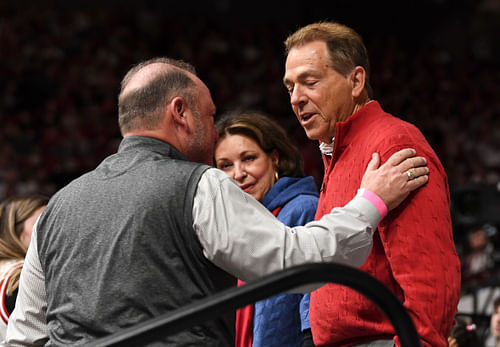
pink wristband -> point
(375, 200)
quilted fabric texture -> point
(413, 250)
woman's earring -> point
(276, 177)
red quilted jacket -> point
(413, 251)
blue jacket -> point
(279, 320)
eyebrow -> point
(303, 75)
(245, 152)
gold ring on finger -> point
(410, 174)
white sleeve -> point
(27, 324)
(242, 237)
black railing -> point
(231, 299)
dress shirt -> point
(238, 234)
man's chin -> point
(311, 135)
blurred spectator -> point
(17, 217)
(494, 341)
(480, 255)
(57, 102)
(463, 334)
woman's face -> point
(495, 323)
(28, 224)
(241, 158)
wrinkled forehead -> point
(312, 56)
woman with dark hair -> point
(256, 152)
(463, 334)
(17, 217)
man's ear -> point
(357, 79)
(178, 108)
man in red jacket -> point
(327, 77)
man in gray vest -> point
(154, 227)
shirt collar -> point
(327, 148)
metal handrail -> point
(233, 298)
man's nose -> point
(297, 98)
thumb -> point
(374, 162)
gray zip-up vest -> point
(117, 247)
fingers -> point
(411, 174)
(374, 162)
(411, 163)
(400, 156)
(395, 179)
(417, 182)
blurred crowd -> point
(61, 66)
(436, 65)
